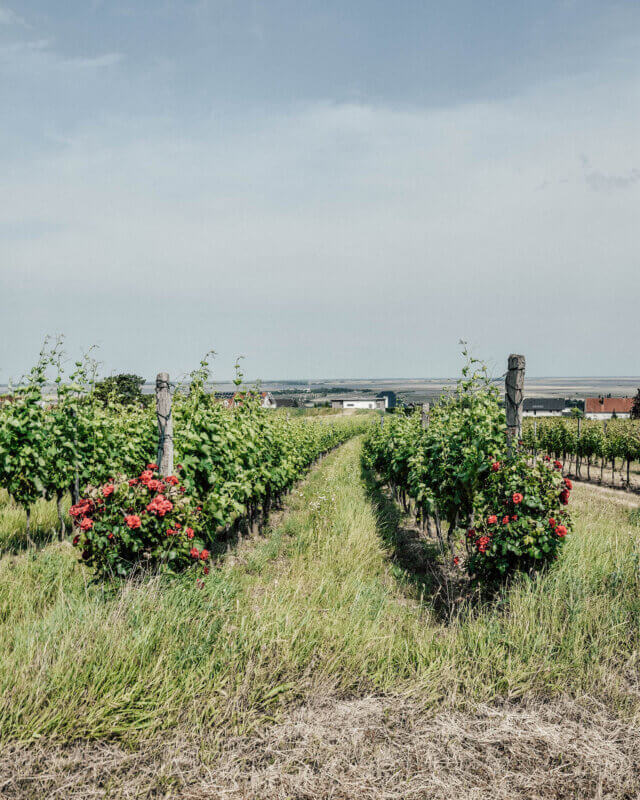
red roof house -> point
(608, 405)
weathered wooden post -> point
(578, 457)
(514, 385)
(165, 424)
(424, 415)
(535, 439)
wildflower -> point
(456, 561)
(517, 497)
(492, 519)
(133, 521)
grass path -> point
(318, 608)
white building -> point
(370, 403)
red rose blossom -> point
(492, 519)
(194, 552)
(133, 521)
(517, 497)
(505, 520)
(204, 555)
(86, 524)
(552, 522)
(561, 531)
(107, 490)
(495, 466)
(160, 505)
(568, 484)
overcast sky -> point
(328, 187)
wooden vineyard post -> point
(535, 439)
(514, 385)
(424, 416)
(165, 424)
(578, 458)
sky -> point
(330, 189)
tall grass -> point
(45, 524)
(318, 606)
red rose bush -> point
(147, 520)
(531, 502)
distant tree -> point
(576, 413)
(635, 408)
(123, 388)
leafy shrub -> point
(520, 517)
(145, 521)
(458, 473)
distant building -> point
(360, 402)
(544, 406)
(231, 399)
(606, 407)
(550, 406)
(391, 398)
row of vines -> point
(583, 444)
(233, 466)
(488, 509)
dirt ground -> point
(366, 749)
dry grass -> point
(366, 749)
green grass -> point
(45, 524)
(318, 607)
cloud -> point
(332, 238)
(9, 17)
(96, 62)
(600, 182)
